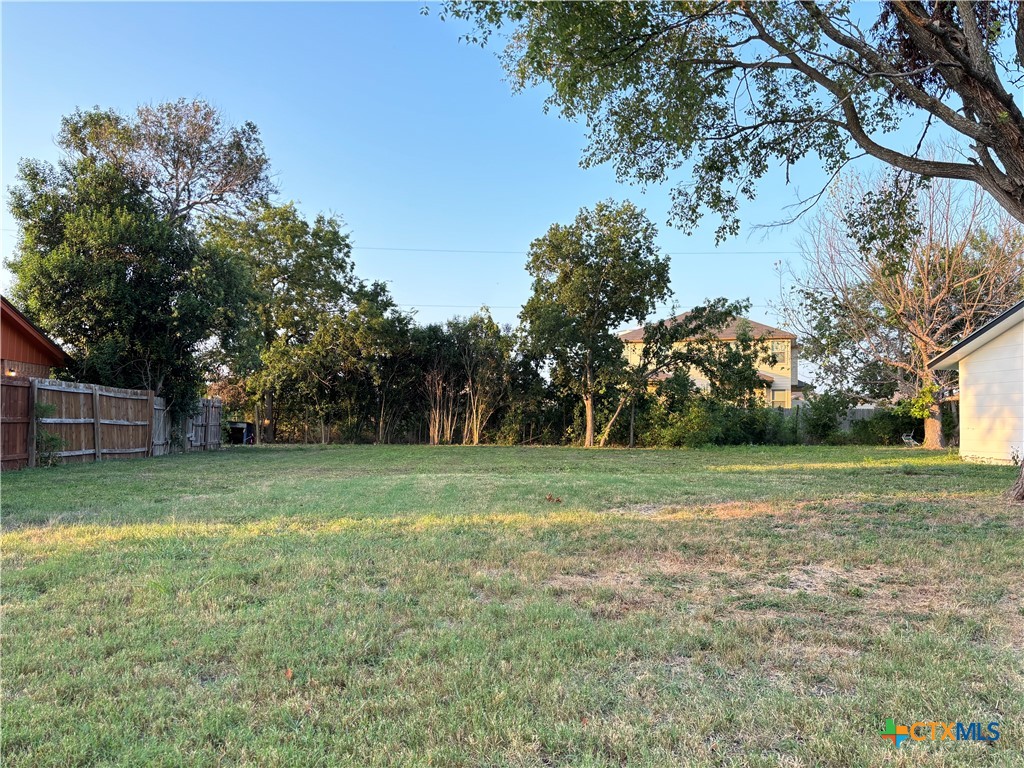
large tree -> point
(878, 296)
(182, 153)
(109, 260)
(734, 87)
(589, 278)
(302, 271)
(130, 294)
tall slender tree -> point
(589, 278)
(486, 353)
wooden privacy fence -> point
(15, 418)
(161, 427)
(201, 432)
(94, 423)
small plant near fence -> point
(48, 444)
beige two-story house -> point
(782, 387)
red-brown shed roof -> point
(21, 341)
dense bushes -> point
(884, 428)
(823, 416)
(701, 421)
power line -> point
(435, 250)
(484, 251)
(523, 253)
(460, 306)
(497, 306)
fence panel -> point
(72, 417)
(15, 422)
(214, 430)
(203, 430)
(125, 418)
(161, 428)
(95, 423)
(859, 413)
(195, 430)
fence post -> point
(151, 416)
(97, 427)
(32, 390)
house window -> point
(779, 399)
(781, 351)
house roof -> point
(948, 360)
(12, 319)
(727, 333)
(665, 375)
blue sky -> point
(380, 115)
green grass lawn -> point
(429, 606)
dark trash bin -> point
(241, 432)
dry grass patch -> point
(732, 510)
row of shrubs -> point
(707, 422)
(673, 420)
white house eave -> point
(949, 360)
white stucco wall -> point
(992, 398)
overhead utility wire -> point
(523, 253)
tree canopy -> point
(733, 87)
(589, 278)
(180, 152)
(301, 270)
(301, 274)
(131, 295)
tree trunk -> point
(268, 416)
(258, 417)
(588, 405)
(1017, 492)
(632, 422)
(611, 422)
(933, 429)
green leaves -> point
(717, 94)
(131, 295)
(180, 153)
(300, 270)
(590, 278)
(885, 221)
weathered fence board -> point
(203, 431)
(161, 428)
(97, 423)
(15, 421)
